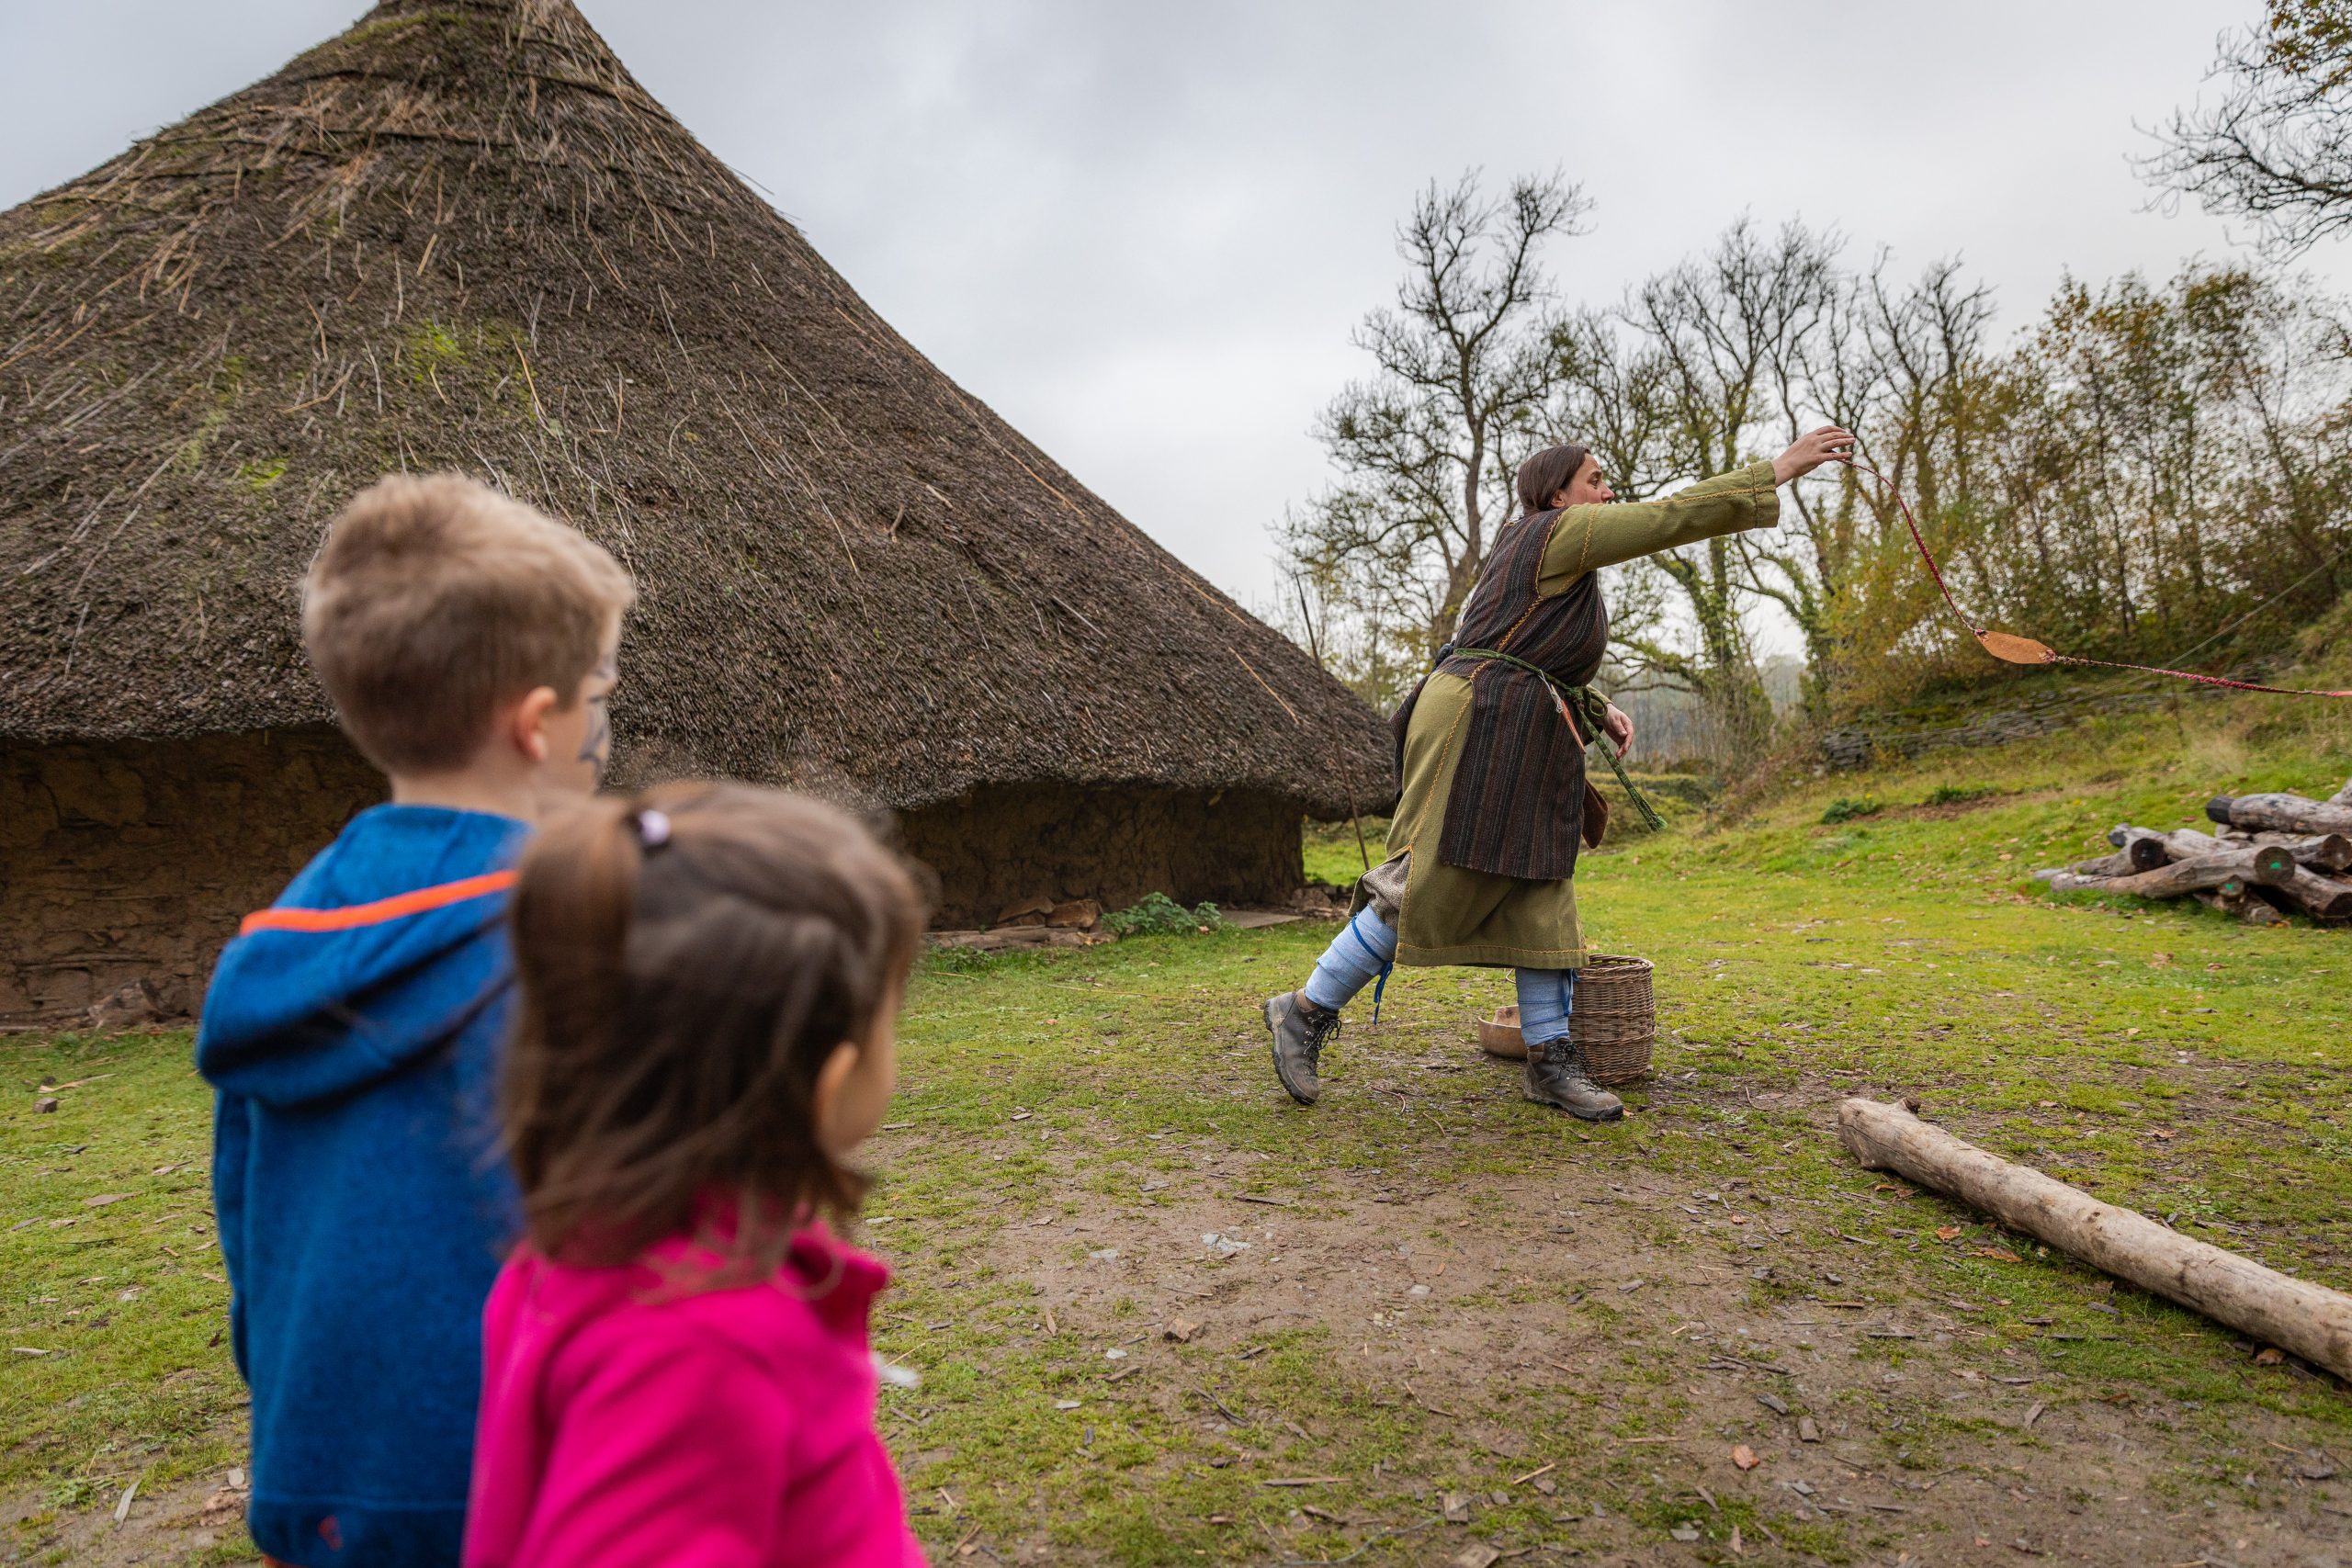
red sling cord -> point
(2012, 649)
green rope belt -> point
(1586, 705)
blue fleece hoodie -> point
(363, 1210)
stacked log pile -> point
(2269, 856)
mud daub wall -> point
(135, 860)
(996, 847)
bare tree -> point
(1427, 445)
(2278, 147)
(1906, 367)
(1701, 367)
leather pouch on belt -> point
(1596, 816)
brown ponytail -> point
(1546, 474)
(689, 958)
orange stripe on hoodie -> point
(354, 916)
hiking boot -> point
(1301, 1030)
(1556, 1076)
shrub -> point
(1844, 810)
(1955, 794)
(1159, 915)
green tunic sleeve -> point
(1586, 538)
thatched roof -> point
(460, 236)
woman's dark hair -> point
(1546, 474)
(689, 959)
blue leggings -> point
(1367, 945)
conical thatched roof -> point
(460, 236)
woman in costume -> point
(1483, 848)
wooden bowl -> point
(1499, 1036)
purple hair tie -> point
(652, 828)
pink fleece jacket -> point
(630, 1420)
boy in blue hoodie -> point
(352, 1028)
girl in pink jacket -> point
(675, 1368)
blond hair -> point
(437, 599)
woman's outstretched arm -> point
(1586, 538)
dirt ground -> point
(1444, 1299)
(194, 1522)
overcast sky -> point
(1144, 231)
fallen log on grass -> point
(2310, 1320)
(2243, 904)
(2146, 850)
(2322, 898)
(2320, 852)
(2188, 843)
(2231, 868)
(2120, 863)
(2281, 812)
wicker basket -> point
(1615, 1020)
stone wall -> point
(135, 860)
(999, 846)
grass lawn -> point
(1433, 1317)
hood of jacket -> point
(380, 953)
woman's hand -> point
(1809, 451)
(1619, 727)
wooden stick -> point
(2281, 812)
(2310, 1320)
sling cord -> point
(2011, 650)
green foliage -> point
(1159, 915)
(1951, 795)
(1843, 809)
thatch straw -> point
(459, 235)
